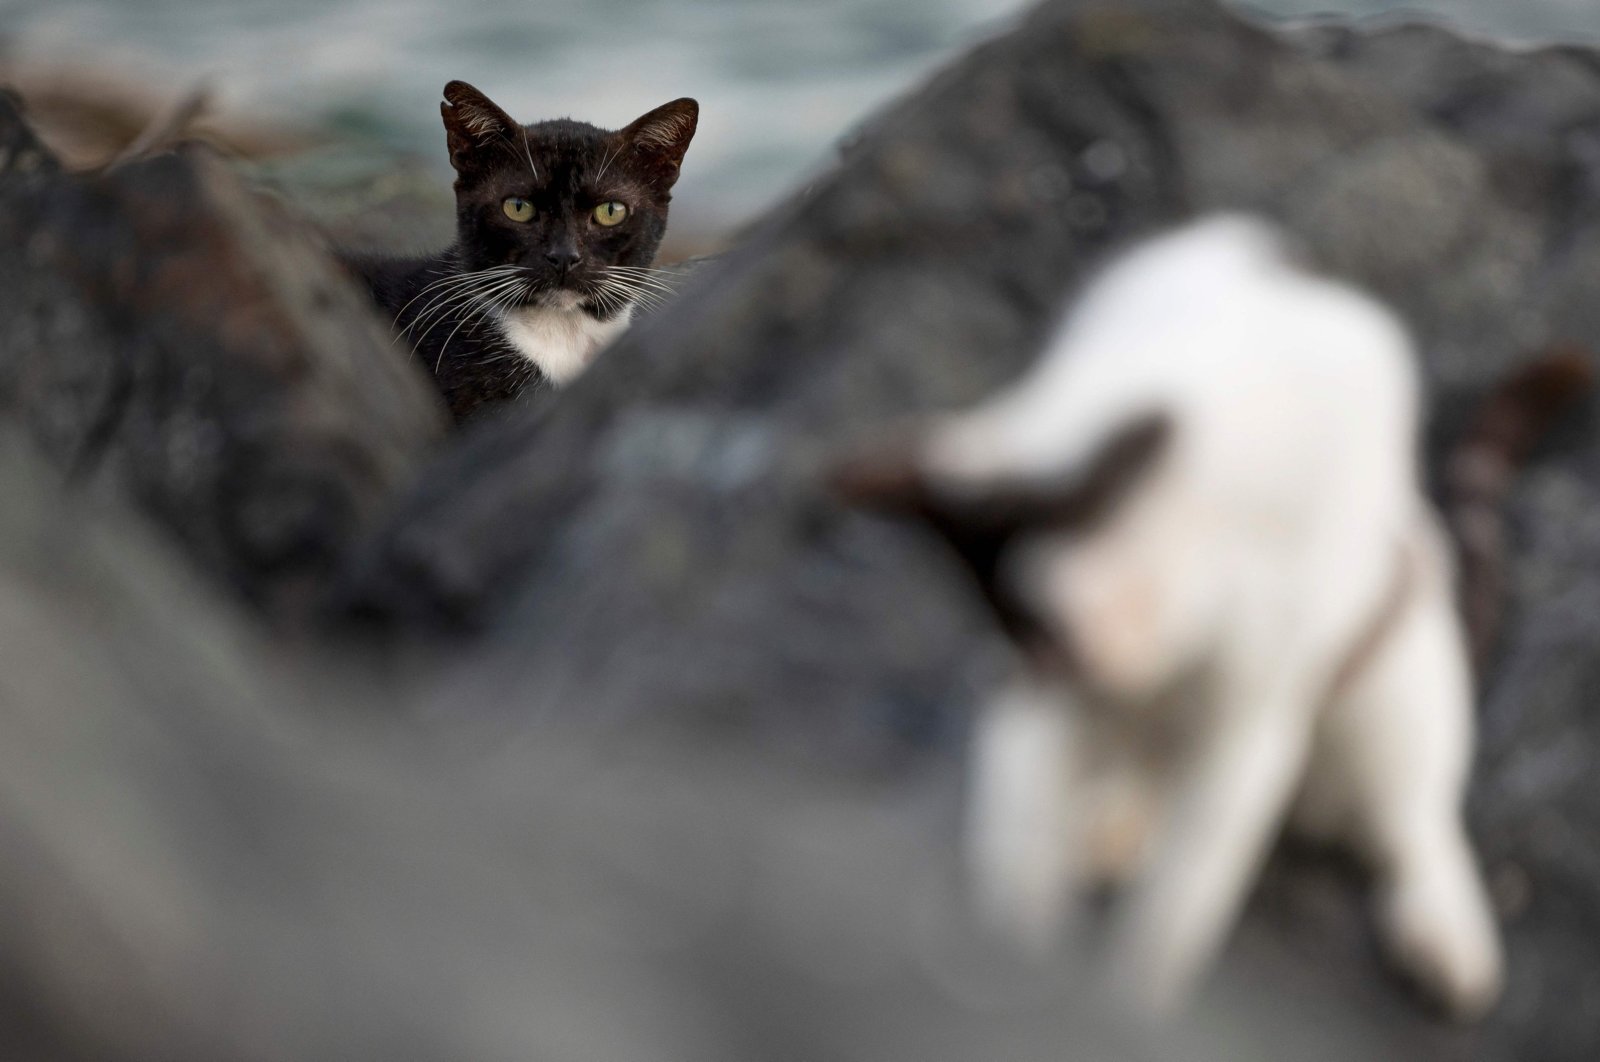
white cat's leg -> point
(1119, 802)
(1394, 752)
(1224, 812)
(1019, 836)
(1435, 917)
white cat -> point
(1257, 630)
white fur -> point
(1219, 601)
(480, 121)
(561, 339)
(1018, 815)
(664, 132)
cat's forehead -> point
(567, 137)
(562, 155)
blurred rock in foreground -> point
(210, 856)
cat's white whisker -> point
(527, 150)
(629, 295)
(439, 307)
(652, 270)
(605, 299)
(635, 284)
(450, 285)
(643, 282)
(647, 298)
(465, 301)
(476, 310)
(643, 271)
(449, 281)
(440, 303)
(606, 164)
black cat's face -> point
(568, 208)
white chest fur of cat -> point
(1272, 589)
(561, 339)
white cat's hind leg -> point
(1390, 767)
(1223, 815)
(1119, 805)
(1435, 919)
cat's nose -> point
(562, 258)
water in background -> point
(779, 83)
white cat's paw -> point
(1440, 933)
(1018, 838)
(1023, 902)
(1116, 837)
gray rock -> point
(169, 337)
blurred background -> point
(338, 100)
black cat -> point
(556, 226)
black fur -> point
(1480, 471)
(565, 169)
(982, 525)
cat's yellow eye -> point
(518, 209)
(609, 214)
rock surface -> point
(168, 335)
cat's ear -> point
(472, 123)
(660, 138)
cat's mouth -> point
(567, 294)
(564, 298)
(550, 293)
